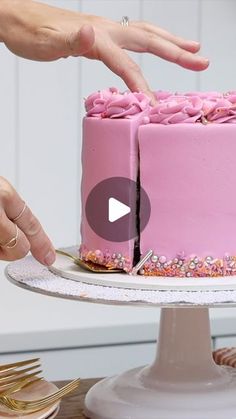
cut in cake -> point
(182, 151)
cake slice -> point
(110, 149)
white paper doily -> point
(28, 273)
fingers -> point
(188, 45)
(121, 64)
(135, 40)
(31, 234)
(11, 249)
(177, 55)
(40, 245)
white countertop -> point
(32, 321)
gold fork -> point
(7, 367)
(11, 374)
(22, 383)
(30, 406)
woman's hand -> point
(20, 231)
(40, 32)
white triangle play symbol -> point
(116, 209)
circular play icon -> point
(117, 209)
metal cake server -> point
(89, 266)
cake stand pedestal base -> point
(183, 382)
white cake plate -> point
(183, 382)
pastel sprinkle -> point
(180, 266)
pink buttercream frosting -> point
(110, 103)
(191, 107)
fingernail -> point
(203, 60)
(50, 258)
(153, 101)
(206, 61)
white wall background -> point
(41, 108)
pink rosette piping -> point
(212, 107)
(191, 107)
(113, 104)
(177, 109)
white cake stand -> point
(183, 381)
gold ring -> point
(12, 242)
(125, 21)
(20, 214)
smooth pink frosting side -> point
(193, 107)
(110, 103)
(110, 149)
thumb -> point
(80, 42)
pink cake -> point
(183, 152)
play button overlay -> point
(116, 209)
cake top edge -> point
(171, 108)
